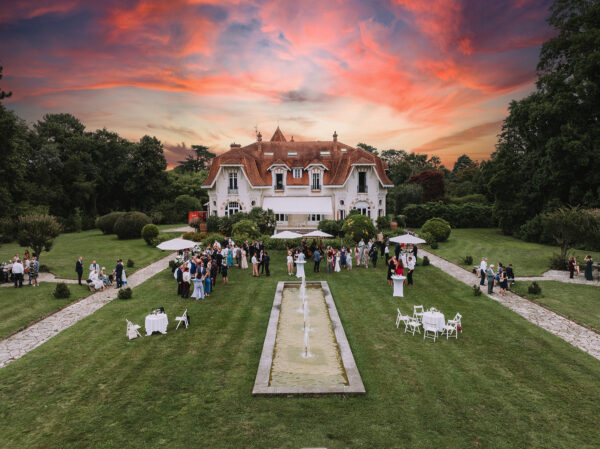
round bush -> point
(106, 223)
(438, 228)
(358, 227)
(125, 293)
(149, 233)
(428, 237)
(62, 291)
(130, 224)
(245, 229)
(130, 263)
(426, 261)
(330, 227)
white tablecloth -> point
(434, 319)
(156, 323)
(398, 285)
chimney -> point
(335, 147)
(259, 140)
(234, 145)
(292, 139)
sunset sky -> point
(433, 77)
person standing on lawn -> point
(119, 273)
(410, 267)
(588, 268)
(316, 258)
(17, 271)
(79, 269)
(482, 270)
(490, 278)
(266, 260)
(571, 267)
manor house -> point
(302, 182)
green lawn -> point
(503, 383)
(528, 259)
(579, 302)
(92, 245)
(21, 306)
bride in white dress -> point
(96, 282)
(337, 268)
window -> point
(214, 213)
(233, 184)
(316, 181)
(380, 213)
(342, 214)
(314, 217)
(342, 202)
(232, 208)
(281, 217)
(325, 153)
(279, 181)
(363, 208)
(362, 182)
(297, 173)
(380, 202)
(253, 203)
(292, 153)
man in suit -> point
(266, 260)
(79, 269)
(119, 273)
(179, 277)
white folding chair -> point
(182, 319)
(132, 330)
(418, 312)
(412, 326)
(428, 330)
(457, 321)
(450, 329)
(402, 319)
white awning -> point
(299, 205)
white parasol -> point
(286, 235)
(176, 244)
(407, 239)
(319, 234)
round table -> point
(398, 285)
(156, 323)
(435, 320)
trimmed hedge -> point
(125, 293)
(130, 224)
(468, 215)
(150, 233)
(438, 227)
(61, 291)
(106, 223)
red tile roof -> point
(338, 163)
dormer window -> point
(278, 181)
(297, 173)
(233, 183)
(316, 181)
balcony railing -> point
(362, 189)
(232, 191)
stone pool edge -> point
(261, 384)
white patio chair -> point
(412, 326)
(402, 319)
(182, 319)
(428, 329)
(418, 313)
(132, 330)
(457, 321)
(450, 329)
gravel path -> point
(571, 332)
(180, 229)
(30, 338)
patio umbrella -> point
(407, 239)
(176, 244)
(286, 235)
(319, 234)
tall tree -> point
(3, 94)
(369, 148)
(198, 161)
(147, 179)
(547, 154)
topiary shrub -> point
(467, 260)
(476, 290)
(245, 229)
(438, 227)
(534, 288)
(149, 233)
(383, 222)
(331, 227)
(130, 263)
(106, 223)
(62, 291)
(358, 227)
(125, 293)
(426, 261)
(130, 224)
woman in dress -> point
(571, 267)
(337, 268)
(206, 278)
(503, 282)
(97, 283)
(391, 270)
(229, 257)
(349, 259)
(290, 263)
(244, 261)
(224, 269)
(104, 277)
(588, 268)
(329, 262)
(357, 256)
(254, 266)
(365, 258)
(33, 271)
(399, 267)
(576, 266)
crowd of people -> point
(16, 270)
(496, 278)
(574, 269)
(98, 279)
